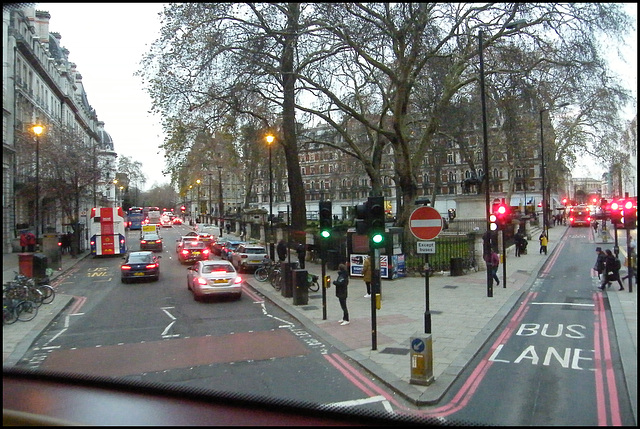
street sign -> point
(425, 223)
(426, 247)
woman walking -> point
(611, 270)
(341, 284)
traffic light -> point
(503, 215)
(616, 212)
(362, 219)
(493, 222)
(326, 220)
(182, 208)
(630, 214)
(376, 222)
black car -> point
(151, 241)
(140, 265)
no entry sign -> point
(425, 223)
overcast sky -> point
(107, 41)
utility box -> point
(40, 262)
(421, 360)
(300, 287)
(286, 286)
(52, 250)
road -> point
(555, 360)
(156, 332)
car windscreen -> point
(139, 259)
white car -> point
(248, 257)
(213, 278)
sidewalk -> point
(462, 319)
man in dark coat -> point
(282, 250)
(599, 265)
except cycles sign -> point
(425, 223)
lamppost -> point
(37, 130)
(270, 140)
(209, 204)
(485, 165)
(515, 25)
(545, 194)
(199, 205)
(220, 201)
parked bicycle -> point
(47, 292)
(15, 309)
(312, 283)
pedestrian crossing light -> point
(326, 220)
(493, 219)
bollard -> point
(421, 360)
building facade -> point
(41, 86)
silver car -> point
(213, 278)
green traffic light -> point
(325, 233)
(377, 238)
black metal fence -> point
(452, 253)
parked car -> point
(193, 250)
(229, 247)
(213, 278)
(248, 257)
(151, 241)
(140, 265)
(180, 242)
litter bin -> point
(25, 264)
(39, 265)
(456, 266)
(300, 287)
(286, 287)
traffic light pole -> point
(504, 261)
(629, 263)
(375, 294)
(324, 286)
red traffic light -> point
(501, 210)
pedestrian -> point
(493, 261)
(302, 251)
(228, 228)
(599, 265)
(23, 241)
(366, 275)
(544, 240)
(595, 226)
(282, 250)
(519, 239)
(31, 242)
(341, 284)
(611, 270)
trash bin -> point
(300, 287)
(39, 265)
(332, 260)
(286, 288)
(25, 264)
(456, 265)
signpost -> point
(425, 223)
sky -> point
(107, 41)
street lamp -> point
(515, 25)
(209, 202)
(220, 201)
(37, 130)
(545, 196)
(485, 166)
(199, 205)
(270, 140)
